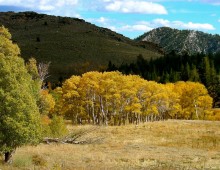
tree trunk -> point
(93, 113)
(8, 157)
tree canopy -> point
(114, 98)
(19, 114)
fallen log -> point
(71, 141)
(51, 140)
(80, 137)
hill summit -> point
(73, 45)
(182, 41)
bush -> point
(22, 161)
(39, 160)
(215, 115)
(45, 121)
(58, 127)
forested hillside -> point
(182, 41)
(72, 45)
(172, 68)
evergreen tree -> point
(165, 78)
(207, 71)
(194, 75)
(173, 68)
(185, 72)
(174, 76)
(111, 67)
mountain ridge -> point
(182, 41)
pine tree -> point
(194, 75)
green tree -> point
(31, 67)
(194, 75)
(185, 72)
(58, 127)
(207, 71)
(19, 114)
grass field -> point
(161, 145)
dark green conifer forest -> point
(173, 67)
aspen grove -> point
(111, 98)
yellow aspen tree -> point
(173, 101)
(89, 87)
(59, 102)
(71, 99)
(133, 105)
(123, 97)
(46, 103)
(204, 107)
(190, 96)
(106, 94)
(150, 103)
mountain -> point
(182, 41)
(72, 45)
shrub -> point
(22, 161)
(45, 121)
(58, 127)
(38, 160)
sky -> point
(131, 18)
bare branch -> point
(77, 138)
(43, 70)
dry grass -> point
(158, 145)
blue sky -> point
(131, 18)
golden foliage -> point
(112, 97)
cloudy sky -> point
(130, 17)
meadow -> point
(172, 144)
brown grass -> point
(165, 145)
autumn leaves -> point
(113, 98)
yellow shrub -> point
(215, 115)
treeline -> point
(111, 98)
(172, 68)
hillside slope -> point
(72, 45)
(182, 41)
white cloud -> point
(138, 27)
(101, 20)
(161, 22)
(194, 26)
(219, 20)
(182, 25)
(77, 16)
(135, 6)
(214, 2)
(71, 2)
(44, 5)
(145, 26)
(113, 28)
